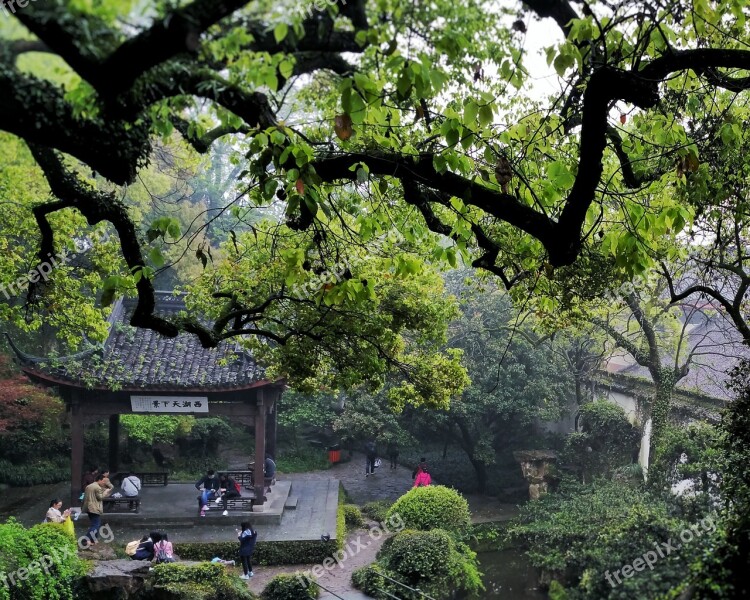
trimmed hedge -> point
(289, 587)
(377, 510)
(434, 507)
(207, 581)
(353, 516)
(266, 553)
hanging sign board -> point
(169, 404)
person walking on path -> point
(371, 453)
(247, 537)
(93, 506)
(393, 454)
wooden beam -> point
(271, 424)
(114, 443)
(260, 443)
(76, 451)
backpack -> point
(131, 547)
(237, 487)
(160, 554)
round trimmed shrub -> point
(432, 561)
(290, 587)
(433, 507)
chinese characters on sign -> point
(169, 404)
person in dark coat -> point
(393, 454)
(89, 477)
(371, 453)
(247, 537)
(145, 550)
(231, 489)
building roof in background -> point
(140, 359)
(717, 346)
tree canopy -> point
(360, 144)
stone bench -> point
(127, 504)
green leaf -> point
(280, 32)
(485, 115)
(156, 257)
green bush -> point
(207, 581)
(24, 553)
(581, 532)
(35, 473)
(432, 561)
(433, 507)
(266, 553)
(377, 510)
(303, 460)
(608, 440)
(290, 587)
(353, 516)
(486, 537)
(370, 580)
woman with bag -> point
(54, 515)
(229, 489)
(163, 551)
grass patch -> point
(302, 461)
(377, 510)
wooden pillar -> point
(260, 445)
(271, 426)
(114, 443)
(76, 452)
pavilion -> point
(139, 371)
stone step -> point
(291, 503)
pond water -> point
(508, 575)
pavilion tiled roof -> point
(140, 359)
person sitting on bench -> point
(269, 468)
(229, 489)
(211, 486)
(130, 488)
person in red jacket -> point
(423, 478)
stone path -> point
(360, 549)
(385, 484)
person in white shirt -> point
(54, 515)
(131, 487)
